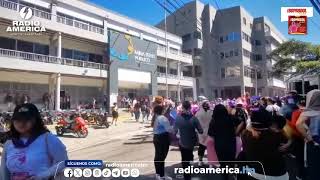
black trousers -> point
(161, 144)
(186, 157)
(313, 161)
(201, 150)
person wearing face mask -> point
(204, 116)
(32, 153)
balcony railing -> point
(176, 52)
(50, 59)
(9, 5)
(46, 15)
(173, 76)
(79, 24)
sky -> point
(148, 11)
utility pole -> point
(166, 49)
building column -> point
(194, 90)
(58, 85)
(179, 84)
(54, 12)
(59, 48)
(51, 82)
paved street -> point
(128, 142)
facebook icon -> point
(68, 172)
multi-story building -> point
(66, 58)
(230, 49)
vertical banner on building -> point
(137, 58)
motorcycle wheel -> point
(82, 133)
(107, 124)
(59, 131)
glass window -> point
(250, 25)
(258, 57)
(197, 35)
(231, 53)
(226, 54)
(41, 49)
(25, 46)
(173, 71)
(197, 52)
(186, 37)
(80, 55)
(95, 58)
(161, 69)
(257, 42)
(7, 43)
(246, 53)
(197, 71)
(221, 39)
(223, 73)
(244, 20)
(236, 52)
(67, 53)
(221, 55)
(258, 26)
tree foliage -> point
(300, 55)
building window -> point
(197, 35)
(173, 71)
(221, 55)
(246, 53)
(80, 55)
(258, 57)
(257, 42)
(258, 26)
(6, 43)
(186, 37)
(221, 39)
(197, 71)
(95, 58)
(250, 25)
(41, 49)
(244, 20)
(231, 53)
(236, 52)
(67, 53)
(161, 69)
(223, 73)
(226, 54)
(197, 52)
(25, 46)
(246, 37)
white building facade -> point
(69, 61)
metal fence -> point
(50, 59)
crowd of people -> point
(280, 137)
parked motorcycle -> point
(77, 126)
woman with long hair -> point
(32, 151)
(222, 131)
(161, 140)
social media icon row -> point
(68, 172)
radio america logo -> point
(26, 26)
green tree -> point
(301, 55)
